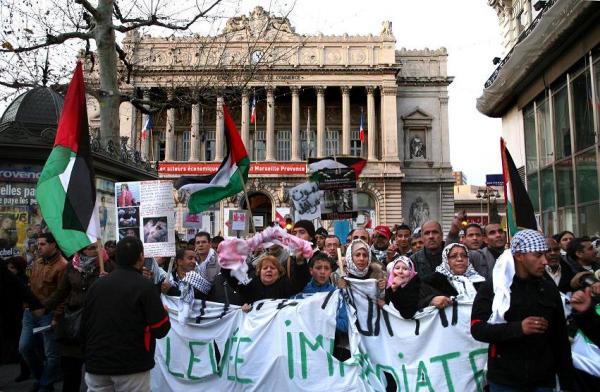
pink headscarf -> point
(408, 262)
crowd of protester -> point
(98, 315)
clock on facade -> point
(256, 56)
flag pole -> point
(100, 255)
(247, 202)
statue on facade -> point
(417, 148)
(419, 213)
(386, 28)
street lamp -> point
(487, 193)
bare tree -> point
(39, 39)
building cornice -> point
(556, 27)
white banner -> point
(288, 345)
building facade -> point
(311, 94)
(547, 91)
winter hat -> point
(306, 225)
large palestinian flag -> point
(519, 210)
(66, 190)
(204, 191)
(316, 164)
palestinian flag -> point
(204, 191)
(316, 164)
(66, 190)
(519, 210)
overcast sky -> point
(467, 28)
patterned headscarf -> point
(406, 261)
(525, 241)
(462, 283)
(350, 266)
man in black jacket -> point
(122, 317)
(526, 328)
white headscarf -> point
(351, 268)
(462, 283)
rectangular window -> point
(532, 190)
(332, 143)
(159, 146)
(355, 144)
(283, 145)
(597, 88)
(564, 183)
(530, 139)
(562, 126)
(587, 177)
(186, 145)
(589, 219)
(566, 219)
(547, 189)
(548, 221)
(260, 146)
(582, 111)
(209, 145)
(305, 142)
(546, 142)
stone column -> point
(245, 119)
(295, 123)
(270, 134)
(133, 137)
(346, 120)
(389, 124)
(321, 122)
(195, 133)
(220, 130)
(170, 131)
(371, 125)
(145, 143)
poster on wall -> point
(146, 210)
(20, 215)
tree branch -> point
(123, 58)
(89, 7)
(153, 20)
(50, 41)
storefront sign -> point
(200, 168)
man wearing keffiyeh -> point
(521, 316)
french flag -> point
(253, 111)
(361, 134)
(148, 126)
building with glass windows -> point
(310, 95)
(547, 91)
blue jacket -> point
(341, 320)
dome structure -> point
(36, 109)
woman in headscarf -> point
(403, 286)
(358, 265)
(454, 276)
(80, 274)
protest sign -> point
(341, 178)
(224, 349)
(146, 210)
(307, 201)
(339, 204)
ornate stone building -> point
(311, 93)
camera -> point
(587, 280)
